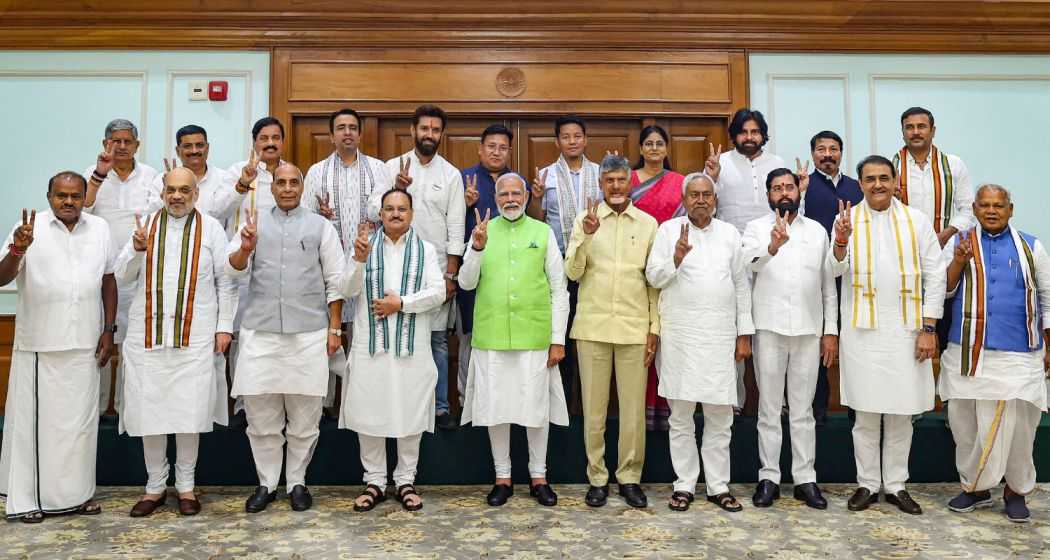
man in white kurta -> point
(290, 260)
(389, 383)
(436, 187)
(118, 190)
(520, 314)
(893, 294)
(795, 311)
(995, 366)
(705, 327)
(218, 196)
(174, 369)
(62, 261)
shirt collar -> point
(135, 168)
(991, 235)
(604, 210)
(294, 212)
(833, 180)
(81, 222)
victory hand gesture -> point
(138, 237)
(104, 163)
(250, 231)
(403, 179)
(361, 245)
(471, 195)
(803, 175)
(480, 236)
(964, 249)
(590, 220)
(539, 185)
(779, 236)
(682, 248)
(323, 207)
(389, 304)
(843, 226)
(712, 166)
(248, 173)
(24, 233)
(170, 164)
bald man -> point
(174, 370)
(292, 259)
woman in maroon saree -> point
(656, 190)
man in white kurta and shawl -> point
(62, 261)
(520, 315)
(291, 260)
(174, 369)
(705, 328)
(389, 388)
(994, 368)
(892, 295)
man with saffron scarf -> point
(995, 365)
(893, 294)
(181, 322)
(390, 379)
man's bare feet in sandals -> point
(33, 517)
(90, 507)
(409, 498)
(369, 498)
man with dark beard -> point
(793, 306)
(440, 212)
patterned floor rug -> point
(456, 523)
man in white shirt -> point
(63, 264)
(793, 304)
(440, 212)
(118, 189)
(218, 198)
(174, 369)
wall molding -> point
(844, 78)
(169, 100)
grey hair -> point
(993, 187)
(121, 124)
(524, 183)
(613, 163)
(696, 176)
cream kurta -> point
(879, 372)
(704, 305)
(385, 395)
(178, 390)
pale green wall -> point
(55, 105)
(993, 111)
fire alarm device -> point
(217, 91)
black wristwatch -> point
(109, 329)
(929, 329)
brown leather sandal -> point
(406, 491)
(726, 501)
(373, 494)
(680, 500)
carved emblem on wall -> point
(510, 82)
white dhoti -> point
(789, 361)
(50, 434)
(714, 446)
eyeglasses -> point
(654, 145)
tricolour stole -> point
(864, 264)
(411, 282)
(943, 185)
(186, 289)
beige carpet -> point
(456, 523)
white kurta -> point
(705, 304)
(741, 187)
(385, 395)
(439, 212)
(261, 197)
(879, 372)
(47, 462)
(170, 390)
(218, 196)
(516, 386)
(921, 190)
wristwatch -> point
(335, 332)
(452, 276)
(929, 329)
(109, 328)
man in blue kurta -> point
(996, 361)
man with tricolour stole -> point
(994, 369)
(893, 293)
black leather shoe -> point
(544, 494)
(904, 502)
(300, 498)
(861, 499)
(499, 494)
(766, 493)
(446, 421)
(259, 500)
(810, 493)
(597, 495)
(633, 495)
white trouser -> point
(718, 431)
(373, 459)
(106, 381)
(499, 437)
(274, 419)
(155, 450)
(1012, 444)
(464, 357)
(235, 346)
(891, 472)
(792, 360)
(741, 389)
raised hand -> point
(591, 223)
(803, 175)
(138, 237)
(250, 231)
(779, 236)
(843, 225)
(539, 185)
(682, 248)
(170, 164)
(964, 249)
(403, 179)
(471, 195)
(389, 304)
(612, 153)
(480, 236)
(361, 245)
(712, 166)
(104, 163)
(248, 173)
(323, 207)
(24, 233)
